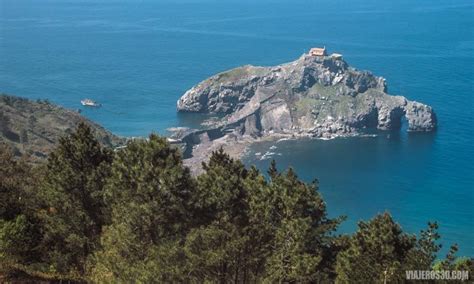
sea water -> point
(138, 57)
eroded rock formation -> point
(318, 96)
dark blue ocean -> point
(139, 57)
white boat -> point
(89, 103)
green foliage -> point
(276, 231)
(138, 216)
(218, 249)
(16, 240)
(221, 190)
(464, 263)
(72, 195)
(148, 193)
(11, 183)
(302, 231)
(19, 234)
(291, 261)
(452, 262)
(240, 72)
(376, 252)
(422, 256)
(273, 171)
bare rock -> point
(299, 95)
(314, 96)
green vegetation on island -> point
(136, 215)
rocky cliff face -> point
(312, 96)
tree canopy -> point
(136, 214)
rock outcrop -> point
(316, 96)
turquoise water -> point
(139, 57)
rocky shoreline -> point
(313, 96)
(236, 146)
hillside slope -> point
(34, 127)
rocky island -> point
(317, 95)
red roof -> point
(317, 51)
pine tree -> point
(19, 229)
(273, 171)
(450, 259)
(422, 256)
(302, 232)
(139, 216)
(376, 252)
(72, 196)
(216, 250)
(149, 194)
(453, 263)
